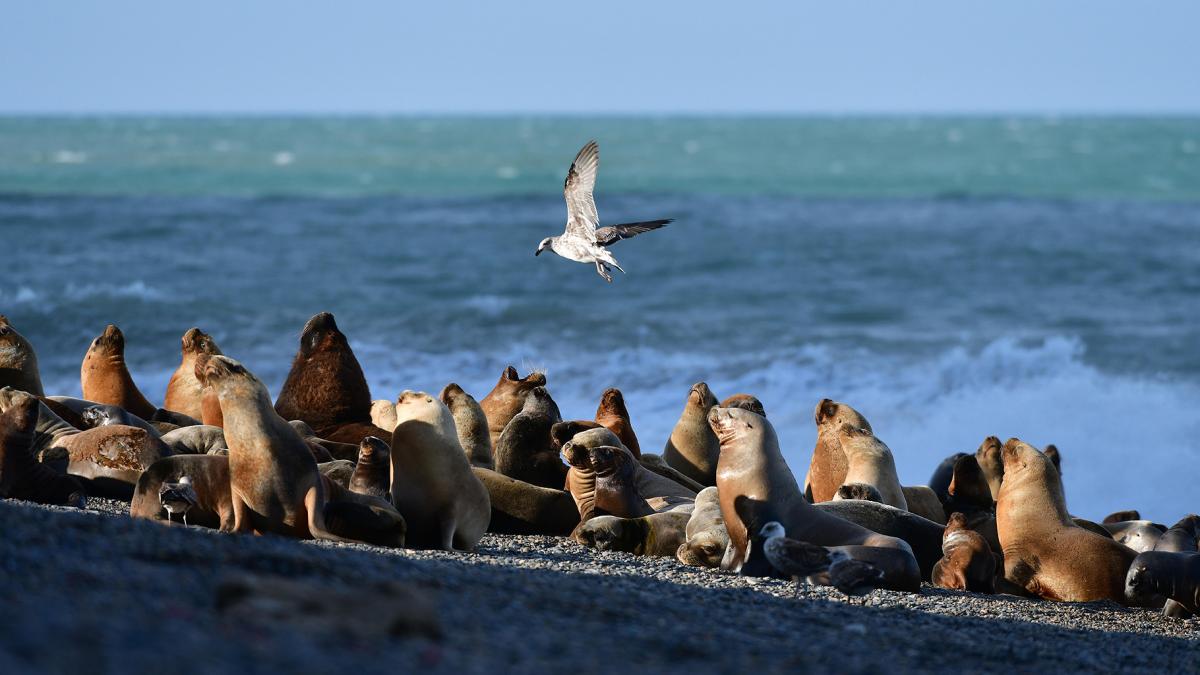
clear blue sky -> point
(1095, 56)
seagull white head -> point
(548, 242)
(771, 530)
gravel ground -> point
(94, 591)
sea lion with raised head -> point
(523, 508)
(326, 387)
(373, 470)
(756, 487)
(525, 450)
(383, 414)
(209, 477)
(651, 484)
(22, 476)
(18, 361)
(869, 461)
(969, 494)
(614, 416)
(1044, 551)
(692, 449)
(184, 391)
(991, 463)
(827, 469)
(507, 399)
(706, 536)
(616, 483)
(967, 563)
(105, 378)
(939, 482)
(445, 504)
(471, 425)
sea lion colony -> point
(326, 461)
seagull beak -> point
(537, 252)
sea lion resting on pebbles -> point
(1181, 537)
(18, 361)
(757, 487)
(507, 399)
(522, 508)
(184, 391)
(209, 477)
(658, 534)
(692, 449)
(23, 477)
(104, 377)
(470, 423)
(967, 562)
(705, 531)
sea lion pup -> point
(1154, 575)
(326, 387)
(525, 450)
(197, 440)
(827, 470)
(869, 461)
(652, 485)
(658, 534)
(23, 477)
(967, 562)
(18, 361)
(616, 483)
(373, 470)
(1121, 517)
(1139, 535)
(507, 399)
(1044, 551)
(105, 378)
(184, 391)
(746, 402)
(209, 476)
(522, 508)
(990, 462)
(922, 535)
(614, 416)
(706, 536)
(1179, 538)
(445, 504)
(383, 414)
(862, 491)
(471, 425)
(756, 487)
(939, 482)
(692, 449)
(274, 482)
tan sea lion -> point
(745, 401)
(445, 504)
(326, 387)
(827, 470)
(922, 501)
(1139, 535)
(383, 414)
(23, 477)
(967, 562)
(651, 484)
(692, 449)
(756, 487)
(614, 416)
(507, 399)
(18, 361)
(184, 391)
(209, 476)
(524, 450)
(990, 462)
(706, 536)
(870, 461)
(1044, 551)
(523, 508)
(657, 534)
(197, 440)
(373, 470)
(471, 425)
(105, 378)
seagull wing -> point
(606, 236)
(582, 217)
(796, 558)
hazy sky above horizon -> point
(874, 56)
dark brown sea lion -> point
(746, 402)
(1182, 537)
(523, 508)
(326, 387)
(470, 423)
(616, 483)
(23, 477)
(525, 450)
(692, 449)
(101, 415)
(969, 494)
(967, 562)
(373, 470)
(184, 391)
(827, 470)
(1154, 575)
(18, 361)
(923, 536)
(756, 487)
(614, 416)
(1044, 551)
(939, 482)
(1121, 517)
(209, 476)
(105, 378)
(507, 399)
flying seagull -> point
(797, 559)
(583, 240)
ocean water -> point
(950, 278)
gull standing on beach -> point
(583, 240)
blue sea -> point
(951, 278)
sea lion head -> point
(862, 491)
(1141, 587)
(1022, 460)
(562, 432)
(196, 341)
(700, 395)
(12, 344)
(729, 424)
(372, 450)
(968, 485)
(20, 411)
(956, 521)
(321, 334)
(109, 343)
(593, 438)
(1051, 451)
(514, 380)
(410, 397)
(228, 377)
(452, 393)
(613, 402)
(829, 415)
(610, 460)
(610, 533)
(18, 361)
(539, 401)
(745, 401)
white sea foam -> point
(69, 157)
(134, 289)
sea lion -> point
(326, 387)
(827, 470)
(23, 477)
(507, 399)
(445, 504)
(922, 535)
(614, 416)
(616, 483)
(1044, 551)
(562, 432)
(101, 415)
(692, 449)
(63, 412)
(18, 361)
(756, 487)
(1121, 517)
(383, 414)
(1139, 535)
(523, 508)
(869, 461)
(990, 462)
(1092, 526)
(1154, 575)
(184, 391)
(969, 494)
(649, 483)
(210, 408)
(746, 402)
(657, 534)
(861, 491)
(274, 482)
(177, 419)
(471, 425)
(373, 470)
(1179, 538)
(967, 562)
(105, 378)
(197, 440)
(209, 476)
(939, 482)
(338, 471)
(524, 450)
(922, 501)
(706, 536)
